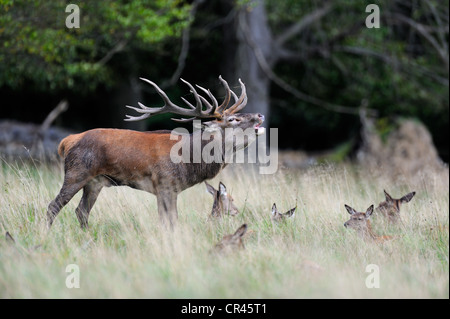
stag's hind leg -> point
(90, 193)
(70, 187)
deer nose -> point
(345, 225)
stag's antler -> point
(213, 110)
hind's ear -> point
(210, 189)
(222, 189)
(274, 209)
(407, 197)
(240, 231)
(388, 197)
(291, 212)
(350, 210)
(369, 211)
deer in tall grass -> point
(223, 202)
(232, 242)
(360, 222)
(390, 208)
(143, 160)
(277, 216)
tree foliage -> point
(400, 68)
(38, 50)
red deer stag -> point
(142, 160)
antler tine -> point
(240, 103)
(145, 109)
(168, 104)
(210, 109)
(226, 101)
(234, 96)
(135, 118)
(182, 120)
(196, 97)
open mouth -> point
(258, 129)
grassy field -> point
(126, 254)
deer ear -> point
(240, 231)
(222, 189)
(369, 211)
(274, 209)
(350, 210)
(210, 189)
(291, 212)
(407, 197)
(388, 197)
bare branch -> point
(184, 46)
(440, 30)
(60, 108)
(408, 68)
(306, 21)
(442, 51)
(285, 86)
(117, 48)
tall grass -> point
(127, 254)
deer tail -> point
(67, 143)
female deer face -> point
(232, 242)
(223, 202)
(358, 221)
(391, 206)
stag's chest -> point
(195, 173)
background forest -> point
(308, 65)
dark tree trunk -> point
(250, 24)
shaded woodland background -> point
(312, 67)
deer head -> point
(360, 222)
(277, 216)
(232, 242)
(223, 202)
(223, 115)
(244, 127)
(390, 208)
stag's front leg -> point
(167, 208)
